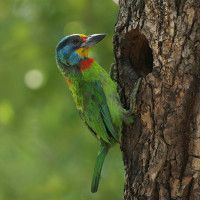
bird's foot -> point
(128, 117)
(133, 96)
(113, 72)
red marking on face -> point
(68, 82)
(83, 39)
(85, 64)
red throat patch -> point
(85, 64)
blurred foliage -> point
(46, 152)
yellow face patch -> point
(81, 35)
(82, 52)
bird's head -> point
(74, 48)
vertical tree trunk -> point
(160, 40)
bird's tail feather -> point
(98, 166)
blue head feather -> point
(66, 50)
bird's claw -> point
(113, 72)
(133, 95)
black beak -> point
(92, 40)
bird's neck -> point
(73, 73)
(86, 64)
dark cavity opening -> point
(135, 48)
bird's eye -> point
(75, 41)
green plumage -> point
(99, 163)
(94, 93)
(98, 102)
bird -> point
(94, 92)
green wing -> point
(96, 114)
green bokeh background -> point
(46, 152)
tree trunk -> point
(160, 40)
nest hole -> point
(136, 49)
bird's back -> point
(96, 97)
(97, 73)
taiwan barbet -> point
(94, 92)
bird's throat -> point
(74, 77)
(83, 53)
(85, 64)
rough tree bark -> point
(160, 40)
